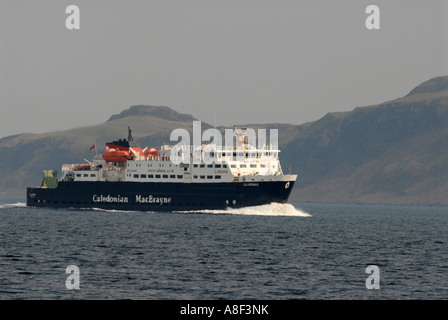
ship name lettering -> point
(109, 198)
(151, 199)
(250, 184)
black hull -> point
(149, 196)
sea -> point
(294, 251)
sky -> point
(223, 61)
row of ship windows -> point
(216, 166)
(210, 166)
(240, 154)
(253, 165)
(245, 166)
(86, 175)
(151, 176)
(180, 176)
(172, 176)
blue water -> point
(292, 251)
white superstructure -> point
(241, 163)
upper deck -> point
(217, 164)
(209, 163)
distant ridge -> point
(394, 152)
(433, 85)
(160, 112)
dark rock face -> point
(395, 152)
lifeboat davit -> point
(112, 155)
(151, 152)
(137, 151)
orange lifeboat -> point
(112, 155)
(82, 167)
(151, 152)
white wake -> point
(272, 209)
(13, 205)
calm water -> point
(312, 251)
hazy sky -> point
(223, 61)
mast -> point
(130, 138)
(132, 143)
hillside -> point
(394, 152)
(26, 155)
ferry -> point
(127, 177)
